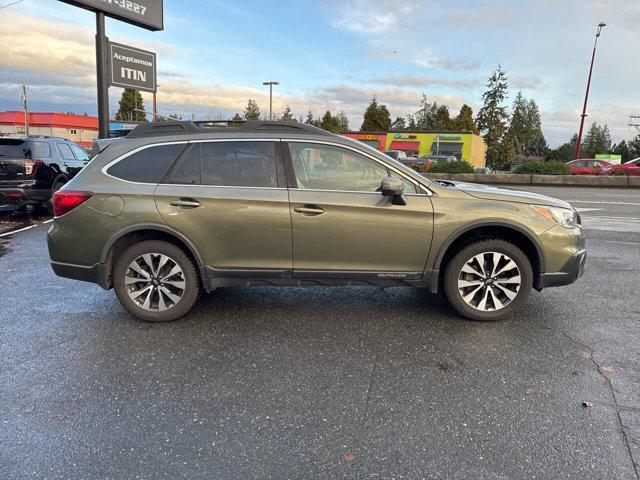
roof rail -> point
(176, 127)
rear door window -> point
(148, 165)
(239, 164)
(40, 149)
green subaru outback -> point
(175, 208)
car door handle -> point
(185, 203)
(309, 210)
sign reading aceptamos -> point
(131, 67)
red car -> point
(588, 166)
(632, 167)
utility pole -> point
(25, 104)
(586, 95)
(271, 84)
(101, 71)
(155, 108)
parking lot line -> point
(13, 232)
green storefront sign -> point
(609, 157)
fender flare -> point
(490, 223)
(149, 226)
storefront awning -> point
(405, 146)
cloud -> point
(424, 81)
(533, 82)
(369, 17)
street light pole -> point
(586, 96)
(271, 84)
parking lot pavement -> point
(323, 382)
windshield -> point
(13, 147)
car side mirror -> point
(393, 187)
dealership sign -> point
(143, 13)
(132, 68)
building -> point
(463, 145)
(82, 129)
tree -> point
(426, 116)
(623, 150)
(130, 102)
(329, 122)
(634, 147)
(343, 121)
(287, 116)
(537, 146)
(251, 111)
(464, 120)
(311, 121)
(492, 118)
(518, 129)
(597, 140)
(376, 118)
(399, 124)
(443, 118)
(564, 152)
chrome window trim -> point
(183, 142)
(417, 184)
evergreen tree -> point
(464, 120)
(564, 152)
(251, 111)
(343, 122)
(376, 118)
(426, 117)
(634, 147)
(130, 101)
(237, 117)
(623, 150)
(443, 118)
(399, 124)
(411, 122)
(518, 129)
(492, 119)
(537, 146)
(329, 122)
(287, 116)
(597, 140)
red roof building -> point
(82, 129)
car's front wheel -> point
(156, 281)
(488, 280)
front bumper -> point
(569, 273)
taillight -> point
(30, 166)
(66, 200)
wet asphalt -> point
(306, 383)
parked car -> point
(398, 155)
(484, 170)
(33, 168)
(588, 166)
(632, 167)
(176, 208)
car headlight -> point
(564, 216)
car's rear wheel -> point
(156, 281)
(488, 280)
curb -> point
(609, 181)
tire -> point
(488, 292)
(156, 287)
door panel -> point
(233, 227)
(360, 232)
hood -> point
(489, 192)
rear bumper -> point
(13, 196)
(569, 273)
(95, 273)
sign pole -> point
(101, 73)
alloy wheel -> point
(489, 281)
(155, 282)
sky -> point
(213, 55)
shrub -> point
(552, 167)
(459, 166)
